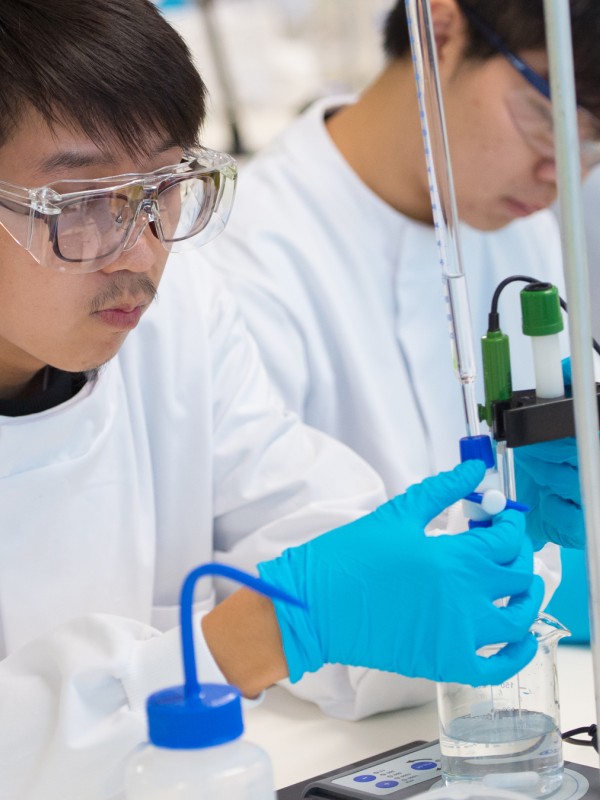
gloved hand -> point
(381, 593)
(547, 479)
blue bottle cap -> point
(479, 447)
(179, 722)
(197, 715)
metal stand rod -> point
(560, 51)
(223, 75)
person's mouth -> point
(519, 209)
(123, 315)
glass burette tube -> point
(445, 221)
(443, 204)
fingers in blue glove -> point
(562, 520)
(512, 622)
(558, 451)
(504, 540)
(548, 482)
(381, 593)
(506, 544)
(559, 479)
(567, 371)
(429, 498)
(512, 658)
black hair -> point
(114, 69)
(520, 24)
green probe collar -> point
(540, 307)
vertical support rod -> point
(560, 51)
(231, 105)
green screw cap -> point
(540, 308)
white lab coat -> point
(344, 296)
(179, 452)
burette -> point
(445, 222)
(443, 204)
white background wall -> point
(281, 54)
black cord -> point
(591, 731)
(494, 317)
(595, 344)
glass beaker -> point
(507, 736)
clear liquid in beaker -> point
(508, 749)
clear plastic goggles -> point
(83, 225)
(532, 115)
(530, 107)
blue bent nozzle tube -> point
(192, 686)
(194, 715)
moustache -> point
(124, 285)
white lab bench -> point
(303, 742)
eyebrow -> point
(72, 159)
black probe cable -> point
(591, 731)
(494, 317)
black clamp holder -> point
(525, 419)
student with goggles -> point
(128, 457)
(333, 258)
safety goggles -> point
(531, 108)
(81, 226)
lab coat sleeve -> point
(298, 484)
(73, 705)
(272, 322)
(277, 482)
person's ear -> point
(448, 27)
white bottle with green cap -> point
(542, 321)
(195, 749)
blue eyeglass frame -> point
(531, 76)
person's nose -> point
(140, 251)
(546, 171)
(141, 257)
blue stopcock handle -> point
(477, 497)
(478, 447)
(192, 687)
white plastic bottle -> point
(196, 754)
(196, 751)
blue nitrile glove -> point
(547, 478)
(381, 593)
(548, 482)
